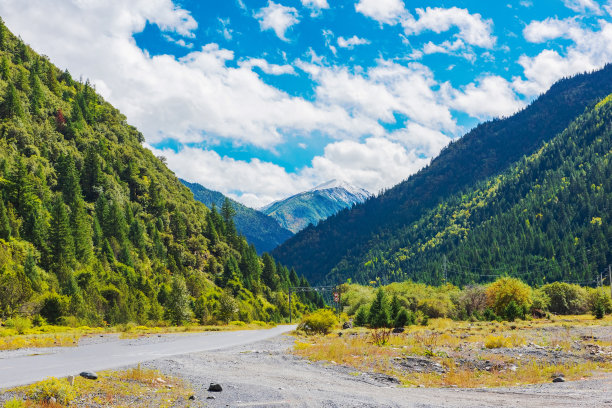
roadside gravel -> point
(266, 374)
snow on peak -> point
(334, 183)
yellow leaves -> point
(596, 221)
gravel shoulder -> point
(266, 374)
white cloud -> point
(278, 18)
(383, 11)
(265, 66)
(315, 6)
(590, 49)
(350, 43)
(492, 96)
(583, 6)
(473, 29)
(550, 29)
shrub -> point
(403, 318)
(319, 322)
(492, 342)
(505, 290)
(20, 324)
(53, 307)
(513, 311)
(599, 304)
(14, 403)
(541, 302)
(566, 298)
(60, 390)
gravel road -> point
(265, 374)
(20, 367)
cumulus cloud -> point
(278, 18)
(590, 49)
(583, 6)
(491, 96)
(350, 43)
(473, 29)
(383, 11)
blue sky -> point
(261, 99)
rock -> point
(159, 380)
(52, 400)
(213, 387)
(90, 375)
(398, 330)
(347, 325)
(512, 368)
(210, 397)
(70, 379)
(339, 334)
(558, 379)
(191, 398)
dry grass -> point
(447, 342)
(136, 387)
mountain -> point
(309, 207)
(261, 230)
(340, 246)
(94, 229)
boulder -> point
(347, 325)
(213, 387)
(558, 379)
(90, 375)
(398, 330)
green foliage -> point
(94, 229)
(508, 296)
(319, 322)
(565, 298)
(403, 318)
(20, 324)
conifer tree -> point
(11, 105)
(5, 225)
(61, 243)
(379, 310)
(268, 274)
(5, 69)
(81, 228)
(37, 97)
(395, 307)
(178, 308)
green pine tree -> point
(11, 104)
(61, 243)
(5, 225)
(379, 311)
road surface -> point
(61, 362)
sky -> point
(262, 99)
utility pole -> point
(445, 269)
(610, 274)
(289, 304)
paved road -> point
(62, 362)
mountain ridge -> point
(487, 150)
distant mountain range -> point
(309, 207)
(259, 229)
(508, 196)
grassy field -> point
(13, 338)
(449, 353)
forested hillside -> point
(94, 228)
(546, 219)
(261, 230)
(348, 241)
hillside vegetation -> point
(546, 219)
(94, 229)
(261, 230)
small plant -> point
(380, 336)
(599, 309)
(492, 342)
(14, 403)
(61, 390)
(361, 318)
(319, 322)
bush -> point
(566, 298)
(319, 322)
(505, 290)
(14, 403)
(492, 342)
(513, 311)
(403, 318)
(541, 302)
(60, 390)
(19, 324)
(379, 311)
(53, 307)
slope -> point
(309, 207)
(95, 229)
(261, 230)
(341, 241)
(546, 219)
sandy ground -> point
(266, 374)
